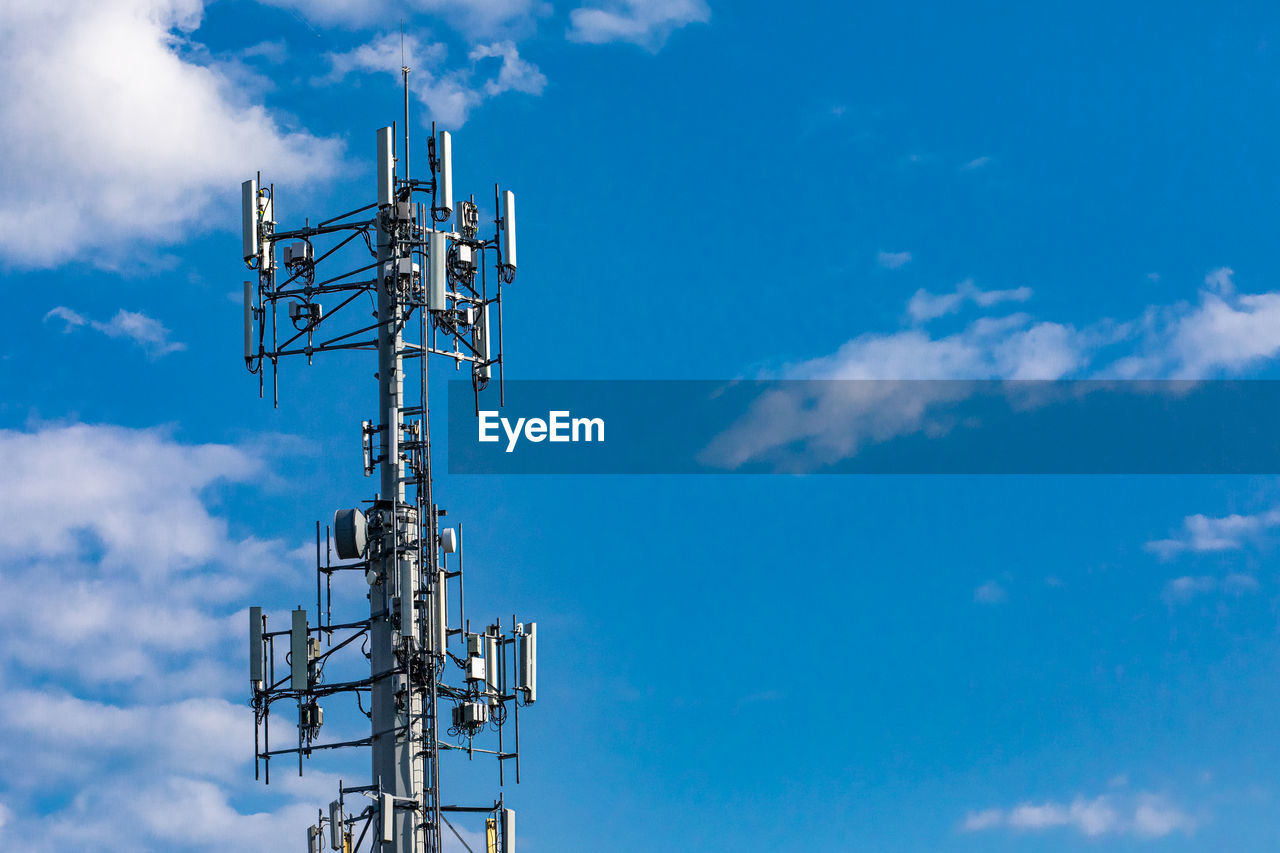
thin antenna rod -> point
(404, 70)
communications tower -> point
(432, 684)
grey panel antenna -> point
(248, 320)
(350, 534)
(408, 598)
(445, 199)
(441, 614)
(249, 215)
(298, 651)
(256, 667)
(480, 340)
(509, 229)
(386, 166)
(528, 673)
(436, 279)
(335, 825)
(491, 662)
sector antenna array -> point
(406, 276)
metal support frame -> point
(410, 671)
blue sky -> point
(707, 190)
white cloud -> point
(647, 23)
(1221, 281)
(143, 643)
(1224, 332)
(514, 75)
(472, 18)
(1183, 589)
(123, 524)
(111, 131)
(1013, 347)
(803, 425)
(1201, 533)
(810, 425)
(147, 332)
(990, 592)
(925, 306)
(976, 163)
(51, 733)
(172, 812)
(893, 260)
(1143, 816)
(448, 95)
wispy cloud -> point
(925, 306)
(1144, 815)
(147, 332)
(817, 424)
(647, 23)
(449, 95)
(1223, 332)
(990, 592)
(1201, 533)
(976, 163)
(471, 18)
(893, 260)
(1184, 589)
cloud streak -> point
(1184, 589)
(893, 260)
(925, 306)
(134, 326)
(1202, 533)
(817, 424)
(1142, 816)
(647, 23)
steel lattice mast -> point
(430, 283)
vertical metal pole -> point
(396, 712)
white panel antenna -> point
(249, 215)
(508, 831)
(445, 198)
(527, 674)
(386, 166)
(492, 662)
(386, 816)
(437, 281)
(509, 230)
